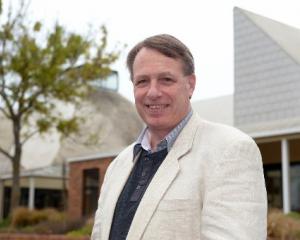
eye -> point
(167, 80)
(140, 82)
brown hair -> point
(166, 45)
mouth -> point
(156, 108)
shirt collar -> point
(143, 142)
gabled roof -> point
(287, 37)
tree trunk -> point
(15, 191)
(16, 163)
(64, 186)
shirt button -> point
(138, 187)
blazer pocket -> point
(175, 219)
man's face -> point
(161, 90)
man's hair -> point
(166, 45)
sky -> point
(206, 27)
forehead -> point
(151, 60)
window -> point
(90, 191)
(295, 187)
(273, 178)
(273, 185)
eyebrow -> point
(140, 77)
(161, 74)
(165, 74)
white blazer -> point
(209, 187)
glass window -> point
(90, 191)
(273, 185)
(295, 187)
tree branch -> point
(29, 136)
(19, 15)
(7, 102)
(5, 153)
(31, 101)
(4, 112)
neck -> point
(155, 137)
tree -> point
(37, 69)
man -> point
(184, 178)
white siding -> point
(267, 79)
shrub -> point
(46, 221)
(23, 217)
(86, 230)
(283, 227)
(295, 215)
(53, 215)
(54, 227)
(81, 232)
(20, 217)
(4, 223)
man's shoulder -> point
(219, 133)
(123, 158)
(127, 153)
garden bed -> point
(17, 236)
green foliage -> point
(294, 215)
(4, 223)
(84, 231)
(37, 26)
(38, 68)
(43, 124)
(68, 126)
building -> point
(86, 176)
(265, 105)
(266, 101)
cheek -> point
(137, 95)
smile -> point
(156, 106)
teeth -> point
(156, 106)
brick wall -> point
(9, 236)
(75, 189)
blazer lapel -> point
(115, 187)
(161, 181)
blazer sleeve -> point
(96, 232)
(235, 199)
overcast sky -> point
(206, 27)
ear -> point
(191, 83)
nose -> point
(154, 90)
